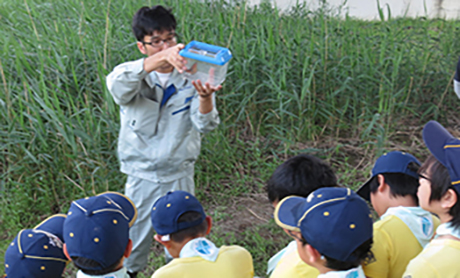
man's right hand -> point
(165, 59)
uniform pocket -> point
(143, 116)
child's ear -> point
(382, 185)
(313, 255)
(129, 248)
(166, 244)
(66, 253)
(449, 199)
(209, 220)
(141, 48)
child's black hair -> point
(192, 232)
(440, 183)
(147, 20)
(400, 184)
(300, 175)
(87, 265)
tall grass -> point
(295, 76)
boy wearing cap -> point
(181, 226)
(300, 175)
(162, 117)
(38, 252)
(96, 234)
(439, 192)
(333, 230)
(404, 228)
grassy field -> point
(343, 89)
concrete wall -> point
(367, 9)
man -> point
(162, 116)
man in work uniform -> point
(162, 116)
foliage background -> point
(300, 81)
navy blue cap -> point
(38, 252)
(335, 221)
(445, 148)
(167, 210)
(97, 228)
(457, 72)
(392, 162)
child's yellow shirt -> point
(440, 258)
(393, 248)
(292, 266)
(232, 262)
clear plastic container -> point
(206, 62)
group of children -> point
(418, 234)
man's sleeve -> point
(204, 122)
(378, 265)
(124, 81)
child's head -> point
(332, 227)
(177, 218)
(96, 232)
(38, 252)
(148, 20)
(394, 176)
(300, 175)
(439, 190)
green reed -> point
(296, 76)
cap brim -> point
(126, 205)
(286, 215)
(436, 137)
(54, 225)
(365, 191)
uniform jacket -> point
(159, 137)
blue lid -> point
(208, 53)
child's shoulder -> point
(234, 250)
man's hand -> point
(205, 95)
(206, 90)
(165, 59)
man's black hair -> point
(400, 184)
(192, 232)
(85, 265)
(440, 183)
(300, 175)
(147, 20)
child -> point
(404, 228)
(299, 175)
(181, 225)
(333, 230)
(38, 252)
(96, 234)
(162, 116)
(439, 193)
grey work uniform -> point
(158, 144)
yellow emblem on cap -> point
(45, 246)
(168, 205)
(96, 239)
(42, 268)
(326, 213)
(115, 221)
(352, 226)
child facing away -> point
(300, 175)
(181, 225)
(38, 252)
(439, 193)
(404, 228)
(334, 230)
(96, 234)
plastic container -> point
(206, 62)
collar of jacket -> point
(176, 78)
